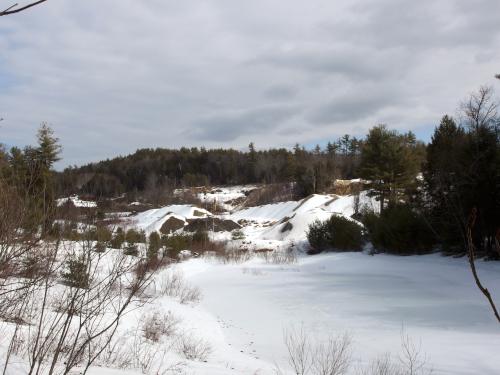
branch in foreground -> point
(471, 255)
(16, 9)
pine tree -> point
(46, 154)
(252, 163)
(154, 245)
(389, 161)
(443, 173)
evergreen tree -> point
(154, 245)
(389, 161)
(31, 172)
(252, 163)
(443, 173)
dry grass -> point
(172, 283)
(193, 348)
(157, 325)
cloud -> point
(226, 127)
(278, 92)
(163, 73)
(347, 109)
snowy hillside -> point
(152, 220)
(285, 221)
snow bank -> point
(225, 196)
(152, 220)
(289, 221)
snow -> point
(370, 297)
(152, 220)
(224, 195)
(268, 222)
(77, 202)
(246, 307)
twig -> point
(13, 8)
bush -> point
(193, 348)
(132, 236)
(131, 250)
(399, 230)
(118, 239)
(103, 234)
(77, 274)
(318, 236)
(237, 234)
(200, 237)
(100, 247)
(157, 325)
(154, 245)
(175, 243)
(338, 233)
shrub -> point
(132, 236)
(32, 265)
(200, 237)
(193, 348)
(237, 234)
(103, 234)
(154, 245)
(338, 233)
(318, 236)
(77, 275)
(173, 284)
(118, 239)
(399, 230)
(158, 324)
(175, 243)
(100, 247)
(131, 250)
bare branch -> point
(14, 8)
(471, 255)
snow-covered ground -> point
(269, 222)
(246, 306)
(152, 220)
(226, 196)
(432, 298)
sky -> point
(117, 75)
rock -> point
(208, 224)
(171, 225)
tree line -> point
(445, 195)
(151, 170)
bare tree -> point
(64, 298)
(480, 109)
(15, 8)
(412, 360)
(497, 76)
(471, 255)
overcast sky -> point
(112, 76)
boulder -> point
(209, 224)
(171, 225)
